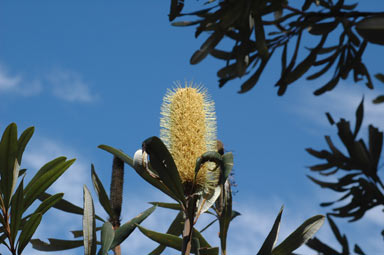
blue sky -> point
(95, 73)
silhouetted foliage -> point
(258, 28)
(361, 187)
(325, 249)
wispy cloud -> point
(15, 84)
(66, 85)
(341, 103)
(70, 86)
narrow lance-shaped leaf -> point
(107, 236)
(271, 239)
(65, 206)
(168, 240)
(89, 225)
(359, 117)
(8, 154)
(141, 167)
(16, 170)
(126, 229)
(176, 229)
(17, 209)
(33, 190)
(162, 161)
(56, 244)
(101, 193)
(48, 203)
(118, 153)
(299, 236)
(28, 230)
(175, 242)
(23, 141)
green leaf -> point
(56, 244)
(89, 225)
(44, 180)
(126, 229)
(175, 242)
(141, 167)
(161, 160)
(46, 168)
(205, 201)
(227, 165)
(176, 229)
(79, 233)
(173, 206)
(300, 235)
(8, 155)
(107, 236)
(202, 242)
(271, 239)
(103, 197)
(65, 206)
(118, 153)
(372, 29)
(28, 230)
(17, 209)
(209, 251)
(23, 141)
(212, 156)
(15, 175)
(168, 240)
(48, 203)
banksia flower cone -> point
(188, 129)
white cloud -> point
(64, 84)
(16, 84)
(8, 82)
(69, 86)
(341, 102)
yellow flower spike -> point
(188, 129)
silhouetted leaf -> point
(359, 117)
(378, 100)
(206, 48)
(372, 29)
(323, 28)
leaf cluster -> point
(18, 223)
(258, 28)
(361, 186)
(324, 249)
